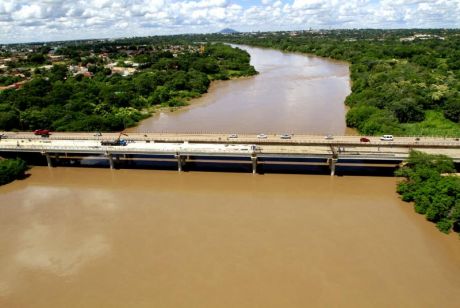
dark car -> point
(41, 132)
(364, 139)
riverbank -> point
(292, 94)
(396, 90)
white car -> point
(262, 136)
(232, 136)
(286, 136)
(387, 138)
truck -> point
(116, 142)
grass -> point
(435, 124)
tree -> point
(452, 109)
(436, 194)
(11, 169)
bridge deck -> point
(339, 150)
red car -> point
(42, 132)
(364, 139)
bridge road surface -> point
(272, 145)
(297, 139)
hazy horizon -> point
(23, 21)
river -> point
(292, 94)
(95, 237)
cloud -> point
(32, 20)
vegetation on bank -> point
(101, 100)
(12, 169)
(399, 77)
(430, 183)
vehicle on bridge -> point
(262, 136)
(364, 139)
(115, 142)
(232, 136)
(286, 136)
(42, 132)
(387, 138)
(118, 142)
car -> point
(387, 138)
(286, 136)
(98, 134)
(328, 137)
(364, 139)
(262, 136)
(232, 136)
(417, 139)
(42, 132)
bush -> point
(435, 193)
(11, 169)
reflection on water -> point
(76, 237)
(293, 93)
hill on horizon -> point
(228, 31)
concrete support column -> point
(332, 162)
(254, 164)
(111, 162)
(48, 160)
(181, 160)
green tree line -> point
(11, 169)
(404, 82)
(58, 101)
(435, 191)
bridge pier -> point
(48, 160)
(332, 162)
(254, 164)
(111, 161)
(181, 160)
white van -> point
(387, 138)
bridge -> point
(249, 149)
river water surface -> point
(75, 237)
(88, 237)
(293, 93)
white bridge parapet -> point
(334, 151)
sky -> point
(50, 20)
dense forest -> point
(166, 75)
(11, 169)
(435, 191)
(404, 82)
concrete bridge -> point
(249, 149)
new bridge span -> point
(252, 149)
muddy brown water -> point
(83, 237)
(76, 237)
(292, 94)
